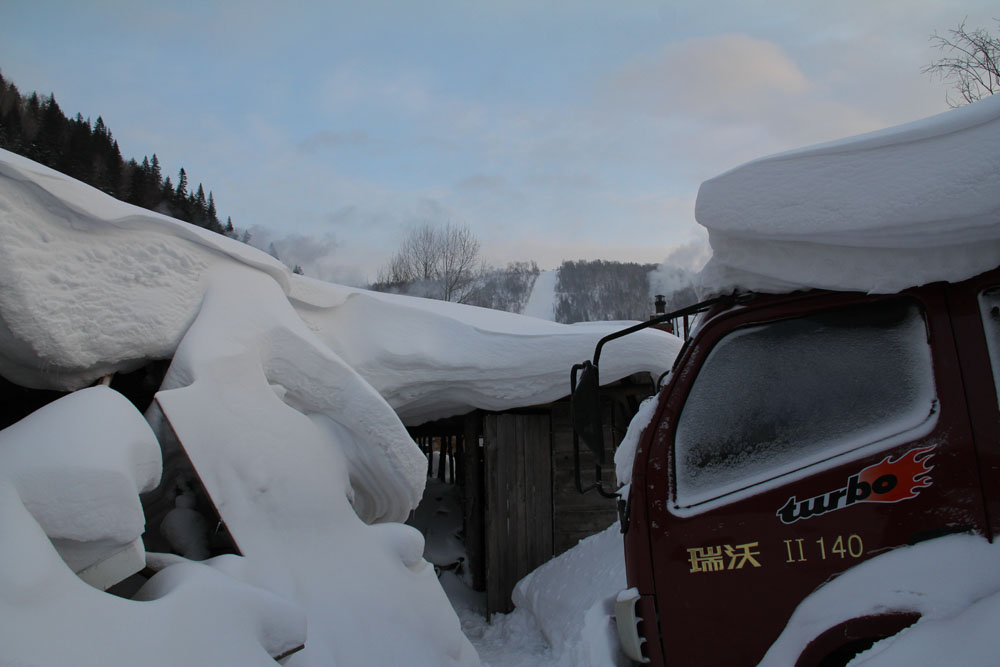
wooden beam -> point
(475, 531)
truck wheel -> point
(840, 644)
(844, 654)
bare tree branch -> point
(440, 263)
(972, 65)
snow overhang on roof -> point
(880, 212)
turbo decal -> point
(887, 481)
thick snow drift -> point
(286, 393)
(953, 583)
(70, 475)
(572, 598)
(880, 212)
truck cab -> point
(797, 436)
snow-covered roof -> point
(290, 394)
(93, 285)
(879, 212)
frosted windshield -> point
(772, 398)
(989, 303)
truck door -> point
(803, 436)
(975, 308)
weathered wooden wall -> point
(518, 503)
(575, 515)
(520, 498)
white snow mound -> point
(880, 212)
(289, 396)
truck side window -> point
(775, 397)
(989, 303)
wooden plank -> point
(513, 494)
(530, 444)
(475, 502)
(498, 517)
(576, 515)
(519, 485)
(519, 523)
(543, 460)
(493, 516)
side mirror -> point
(585, 409)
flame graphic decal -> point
(910, 472)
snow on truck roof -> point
(880, 212)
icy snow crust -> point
(880, 212)
(288, 394)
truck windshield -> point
(774, 397)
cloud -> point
(480, 182)
(319, 256)
(719, 76)
(330, 140)
(353, 84)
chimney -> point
(661, 304)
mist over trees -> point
(586, 291)
(443, 262)
(436, 262)
(37, 128)
(507, 288)
(600, 290)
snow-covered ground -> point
(563, 612)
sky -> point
(554, 130)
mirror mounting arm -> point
(585, 399)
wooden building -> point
(521, 504)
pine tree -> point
(51, 138)
(182, 185)
(179, 205)
(166, 195)
(100, 130)
(213, 217)
(31, 118)
(37, 128)
(154, 165)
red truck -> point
(797, 436)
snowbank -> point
(70, 475)
(572, 598)
(952, 582)
(93, 285)
(433, 359)
(880, 212)
(286, 393)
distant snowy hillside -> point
(593, 291)
(541, 303)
